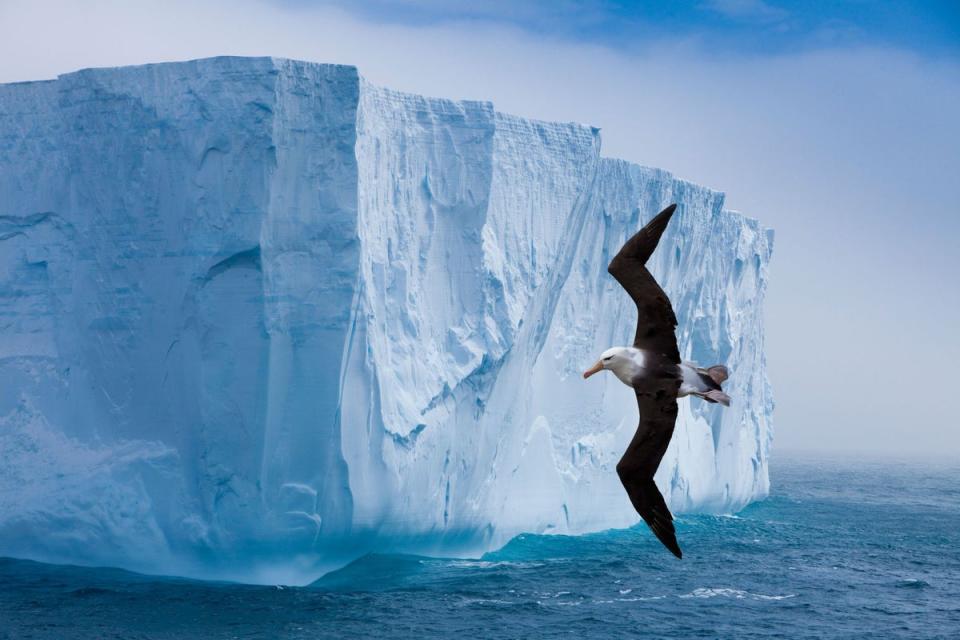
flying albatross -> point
(652, 367)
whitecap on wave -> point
(738, 594)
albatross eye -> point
(608, 358)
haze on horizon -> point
(838, 130)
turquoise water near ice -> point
(841, 549)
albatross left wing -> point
(656, 322)
(657, 401)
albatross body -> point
(653, 369)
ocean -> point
(840, 549)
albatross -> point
(653, 369)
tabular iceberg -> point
(259, 316)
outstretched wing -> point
(657, 402)
(656, 322)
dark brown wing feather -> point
(657, 401)
(656, 322)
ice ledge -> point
(279, 63)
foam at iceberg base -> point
(258, 317)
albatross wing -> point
(657, 401)
(656, 322)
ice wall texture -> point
(258, 317)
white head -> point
(616, 359)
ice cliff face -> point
(258, 316)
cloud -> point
(747, 10)
(850, 153)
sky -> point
(836, 124)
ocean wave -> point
(738, 594)
(912, 583)
(491, 564)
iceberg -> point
(260, 316)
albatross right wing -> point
(656, 322)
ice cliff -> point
(259, 316)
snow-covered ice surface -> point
(259, 316)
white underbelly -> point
(690, 381)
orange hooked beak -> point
(592, 370)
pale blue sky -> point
(835, 123)
(752, 26)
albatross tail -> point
(715, 395)
(714, 377)
(718, 373)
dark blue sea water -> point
(839, 550)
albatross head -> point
(616, 359)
